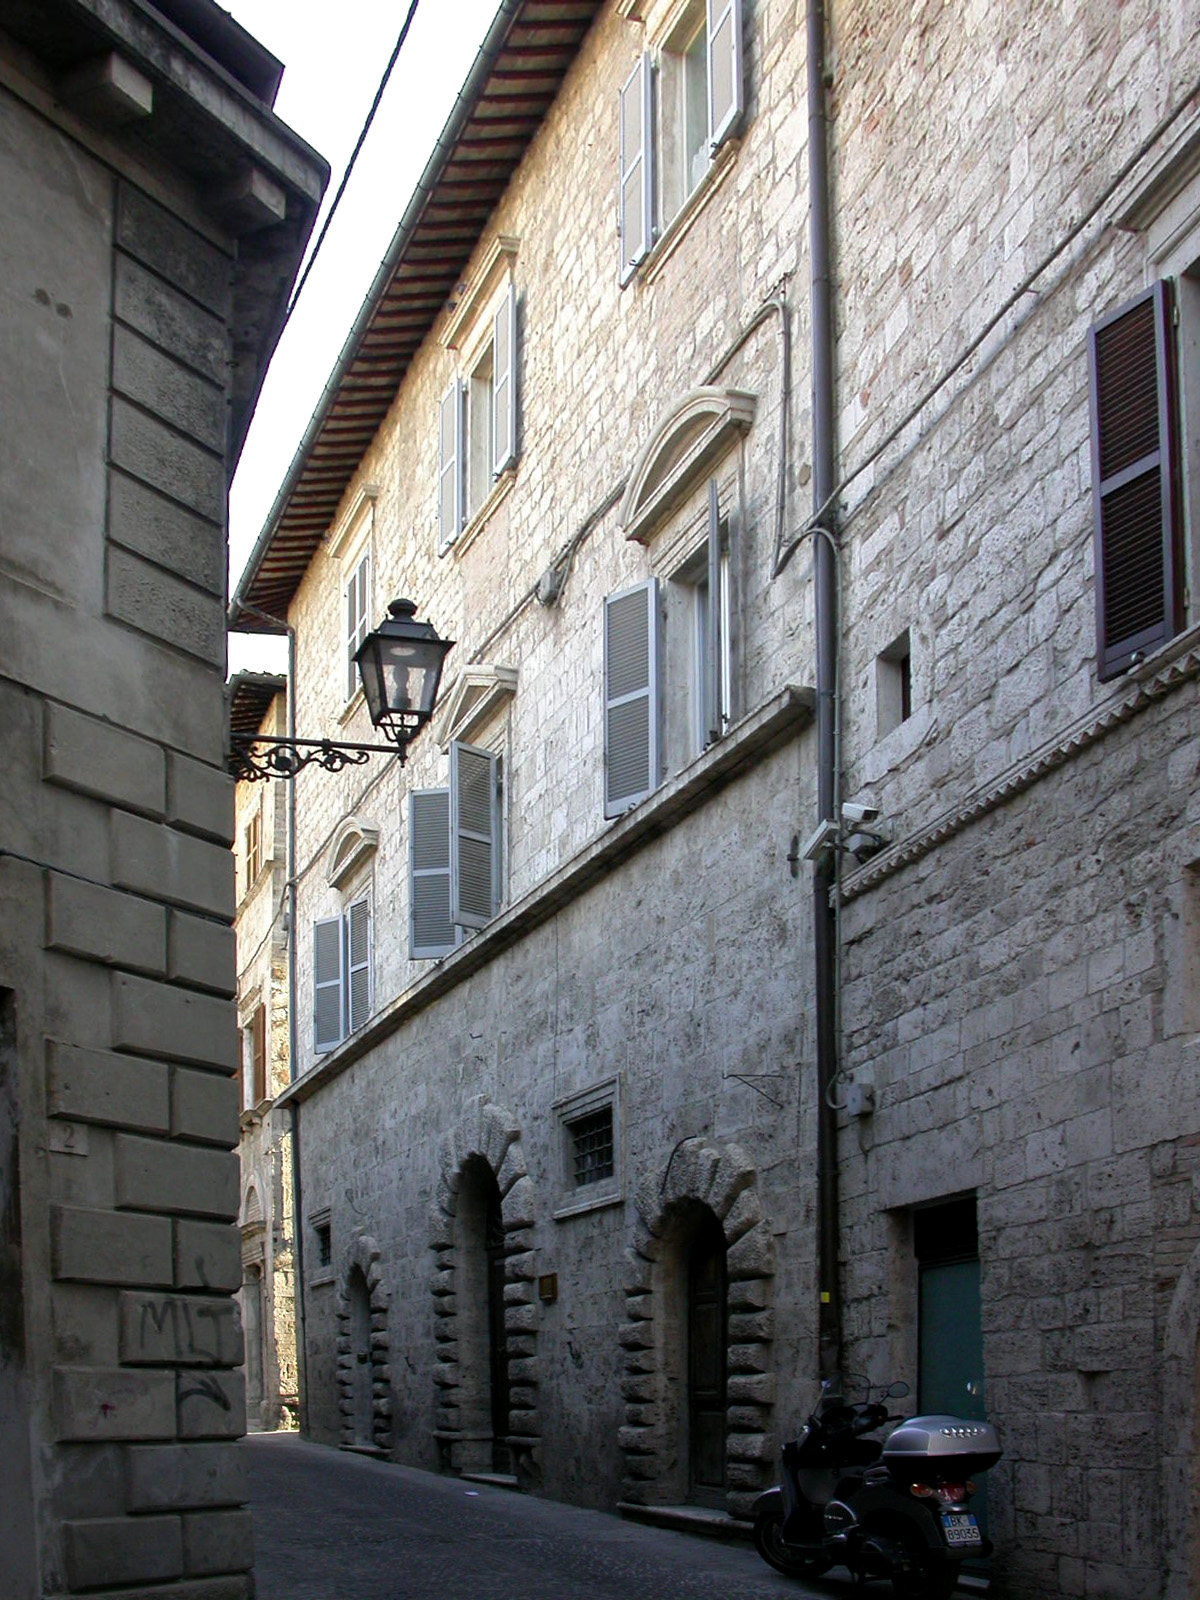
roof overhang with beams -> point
(520, 67)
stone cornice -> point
(1166, 671)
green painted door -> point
(950, 1357)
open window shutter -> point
(631, 697)
(504, 382)
(258, 1035)
(430, 930)
(724, 67)
(1134, 494)
(358, 951)
(474, 835)
(714, 642)
(637, 162)
(450, 467)
(327, 983)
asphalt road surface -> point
(329, 1525)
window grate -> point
(324, 1233)
(592, 1143)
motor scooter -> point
(898, 1510)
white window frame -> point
(479, 415)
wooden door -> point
(706, 1363)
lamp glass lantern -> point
(401, 666)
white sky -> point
(334, 53)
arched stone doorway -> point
(486, 1319)
(699, 1382)
(363, 1373)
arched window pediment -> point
(353, 845)
(683, 445)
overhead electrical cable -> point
(362, 138)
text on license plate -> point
(961, 1529)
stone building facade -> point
(559, 1096)
(155, 211)
(267, 1295)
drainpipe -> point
(825, 607)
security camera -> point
(858, 816)
(824, 837)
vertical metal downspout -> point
(825, 606)
(293, 1057)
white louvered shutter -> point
(450, 467)
(637, 168)
(430, 930)
(474, 835)
(358, 963)
(327, 983)
(631, 697)
(504, 382)
(724, 68)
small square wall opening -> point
(893, 684)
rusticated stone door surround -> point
(364, 1259)
(700, 1172)
(493, 1134)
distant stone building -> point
(155, 210)
(609, 1144)
(267, 1295)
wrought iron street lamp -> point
(400, 665)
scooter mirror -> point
(898, 1390)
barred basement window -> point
(324, 1233)
(592, 1143)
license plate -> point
(962, 1531)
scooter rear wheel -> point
(768, 1541)
(925, 1575)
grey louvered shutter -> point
(358, 963)
(327, 983)
(637, 168)
(632, 713)
(724, 68)
(450, 467)
(1134, 483)
(430, 930)
(474, 835)
(714, 643)
(504, 382)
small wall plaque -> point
(548, 1288)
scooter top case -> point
(950, 1447)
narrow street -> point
(333, 1526)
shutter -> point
(430, 930)
(714, 642)
(450, 467)
(631, 697)
(1134, 489)
(258, 1035)
(327, 983)
(504, 383)
(357, 626)
(724, 68)
(358, 964)
(637, 177)
(474, 835)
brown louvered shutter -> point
(258, 1034)
(1137, 537)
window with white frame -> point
(342, 973)
(455, 853)
(357, 614)
(681, 102)
(477, 424)
(669, 681)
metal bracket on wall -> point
(749, 1079)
